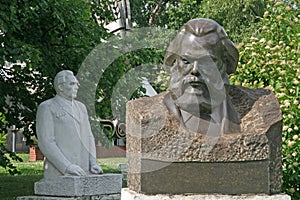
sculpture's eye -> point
(173, 62)
(185, 61)
(74, 84)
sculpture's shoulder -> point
(260, 101)
(80, 105)
(253, 93)
(47, 108)
(243, 95)
(48, 104)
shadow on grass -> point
(14, 186)
(20, 185)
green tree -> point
(138, 55)
(236, 16)
(270, 59)
(38, 38)
(6, 155)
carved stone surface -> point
(131, 195)
(66, 140)
(64, 133)
(76, 186)
(249, 161)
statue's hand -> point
(75, 170)
(96, 169)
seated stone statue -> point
(64, 132)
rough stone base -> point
(75, 186)
(131, 195)
(241, 162)
(99, 197)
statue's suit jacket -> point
(64, 136)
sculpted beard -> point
(189, 93)
(197, 92)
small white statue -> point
(64, 132)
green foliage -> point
(236, 16)
(133, 62)
(270, 59)
(179, 12)
(39, 38)
(5, 155)
(142, 11)
(125, 62)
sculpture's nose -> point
(195, 69)
(76, 87)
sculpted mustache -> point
(193, 81)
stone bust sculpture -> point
(64, 132)
(230, 135)
(200, 58)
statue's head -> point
(66, 84)
(200, 58)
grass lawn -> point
(23, 185)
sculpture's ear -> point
(60, 87)
(231, 56)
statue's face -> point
(197, 73)
(69, 88)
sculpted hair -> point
(200, 27)
(61, 78)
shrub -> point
(270, 59)
(6, 156)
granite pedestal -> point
(204, 178)
(80, 186)
(164, 157)
(131, 195)
(105, 186)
